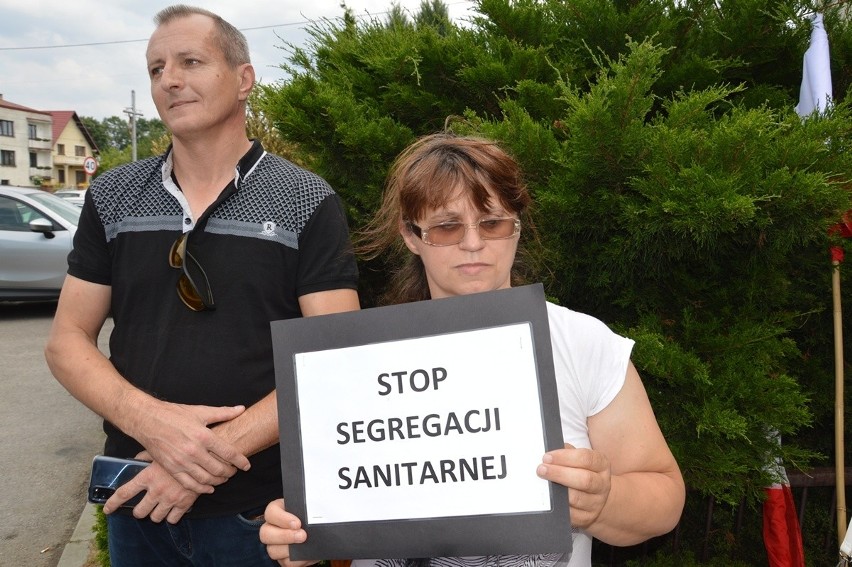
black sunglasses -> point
(187, 289)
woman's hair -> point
(230, 40)
(425, 176)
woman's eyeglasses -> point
(449, 233)
(187, 289)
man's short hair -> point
(231, 41)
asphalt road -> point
(47, 441)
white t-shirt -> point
(590, 363)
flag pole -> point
(839, 466)
(815, 96)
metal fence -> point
(817, 481)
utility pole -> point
(132, 114)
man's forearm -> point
(90, 377)
(254, 430)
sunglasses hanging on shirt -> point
(192, 272)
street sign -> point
(90, 165)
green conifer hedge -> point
(678, 196)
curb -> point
(76, 551)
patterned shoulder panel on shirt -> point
(276, 190)
(132, 198)
(275, 201)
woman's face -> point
(471, 266)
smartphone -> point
(108, 473)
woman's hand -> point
(280, 530)
(587, 475)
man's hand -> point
(587, 475)
(280, 530)
(178, 438)
(165, 498)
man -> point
(193, 253)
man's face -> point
(193, 87)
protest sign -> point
(415, 430)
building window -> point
(7, 128)
(80, 151)
(60, 149)
(33, 159)
(7, 157)
(61, 177)
(80, 175)
(33, 131)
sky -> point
(89, 55)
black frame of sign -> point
(498, 534)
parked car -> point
(36, 233)
(75, 196)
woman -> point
(460, 205)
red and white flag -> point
(782, 535)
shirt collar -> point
(244, 168)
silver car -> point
(76, 196)
(36, 233)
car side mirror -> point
(43, 226)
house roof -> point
(61, 118)
(6, 104)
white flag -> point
(815, 93)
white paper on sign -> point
(419, 428)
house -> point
(25, 145)
(72, 144)
(43, 148)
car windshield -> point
(68, 211)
